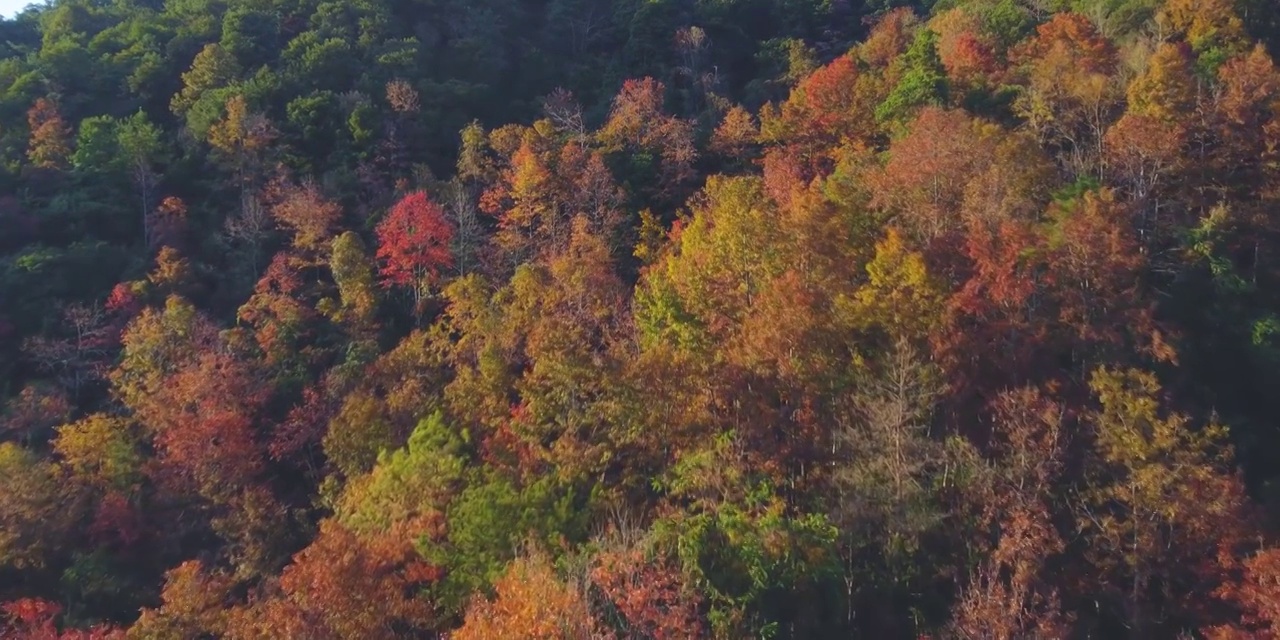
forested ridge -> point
(640, 319)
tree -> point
(353, 273)
(251, 227)
(241, 137)
(30, 416)
(251, 36)
(1166, 88)
(341, 586)
(486, 524)
(1012, 592)
(50, 142)
(889, 479)
(1071, 37)
(1258, 597)
(1071, 95)
(464, 214)
(728, 534)
(1156, 500)
(592, 197)
(1142, 153)
(1014, 185)
(358, 433)
(194, 603)
(402, 97)
(414, 245)
(35, 619)
(544, 190)
(31, 619)
(568, 316)
(1236, 167)
(638, 123)
(96, 148)
(1093, 271)
(189, 392)
(737, 134)
(168, 225)
(650, 593)
(101, 451)
(1212, 27)
(989, 334)
(80, 355)
(524, 199)
(213, 68)
(532, 603)
(304, 209)
(378, 403)
(563, 109)
(893, 33)
(835, 103)
(172, 274)
(965, 47)
(140, 145)
(474, 162)
(213, 401)
(697, 296)
(900, 301)
(34, 513)
(923, 80)
(409, 487)
(924, 183)
(282, 314)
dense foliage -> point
(348, 319)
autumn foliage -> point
(640, 320)
(532, 602)
(413, 243)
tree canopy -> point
(639, 319)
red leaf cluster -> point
(413, 242)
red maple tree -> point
(413, 244)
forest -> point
(640, 319)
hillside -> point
(640, 319)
